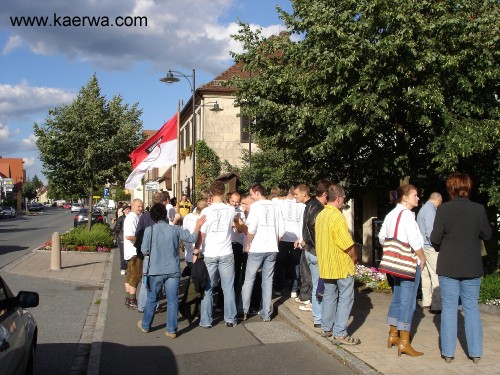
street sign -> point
(152, 186)
(106, 192)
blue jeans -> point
(468, 291)
(254, 262)
(404, 301)
(171, 283)
(336, 305)
(225, 266)
(142, 297)
(295, 255)
(312, 261)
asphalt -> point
(367, 322)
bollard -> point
(55, 254)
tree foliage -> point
(208, 167)
(29, 190)
(371, 92)
(88, 141)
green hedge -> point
(490, 288)
(100, 238)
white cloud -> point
(178, 33)
(4, 131)
(17, 101)
(29, 144)
(29, 162)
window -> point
(244, 129)
(188, 131)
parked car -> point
(103, 208)
(8, 212)
(18, 331)
(83, 217)
(35, 207)
(66, 205)
(76, 207)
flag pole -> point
(178, 167)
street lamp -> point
(171, 77)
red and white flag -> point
(160, 150)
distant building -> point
(12, 170)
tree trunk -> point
(89, 223)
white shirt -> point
(170, 213)
(266, 223)
(293, 214)
(189, 223)
(129, 227)
(218, 229)
(408, 231)
(235, 235)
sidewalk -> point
(368, 323)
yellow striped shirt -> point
(332, 239)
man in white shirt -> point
(288, 261)
(237, 238)
(134, 263)
(218, 255)
(265, 229)
(170, 210)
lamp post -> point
(171, 77)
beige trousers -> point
(431, 292)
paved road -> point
(253, 347)
(63, 306)
(24, 233)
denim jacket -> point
(161, 243)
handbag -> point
(398, 258)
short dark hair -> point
(218, 188)
(258, 188)
(158, 212)
(322, 187)
(303, 188)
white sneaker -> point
(298, 300)
(307, 307)
(293, 295)
(123, 272)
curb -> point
(345, 357)
(94, 360)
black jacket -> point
(458, 228)
(313, 208)
(199, 275)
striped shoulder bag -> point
(398, 258)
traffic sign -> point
(106, 192)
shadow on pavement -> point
(11, 249)
(131, 359)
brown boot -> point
(404, 345)
(393, 337)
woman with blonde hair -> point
(404, 296)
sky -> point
(42, 67)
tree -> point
(375, 91)
(37, 183)
(88, 141)
(29, 190)
(208, 167)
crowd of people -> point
(300, 244)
